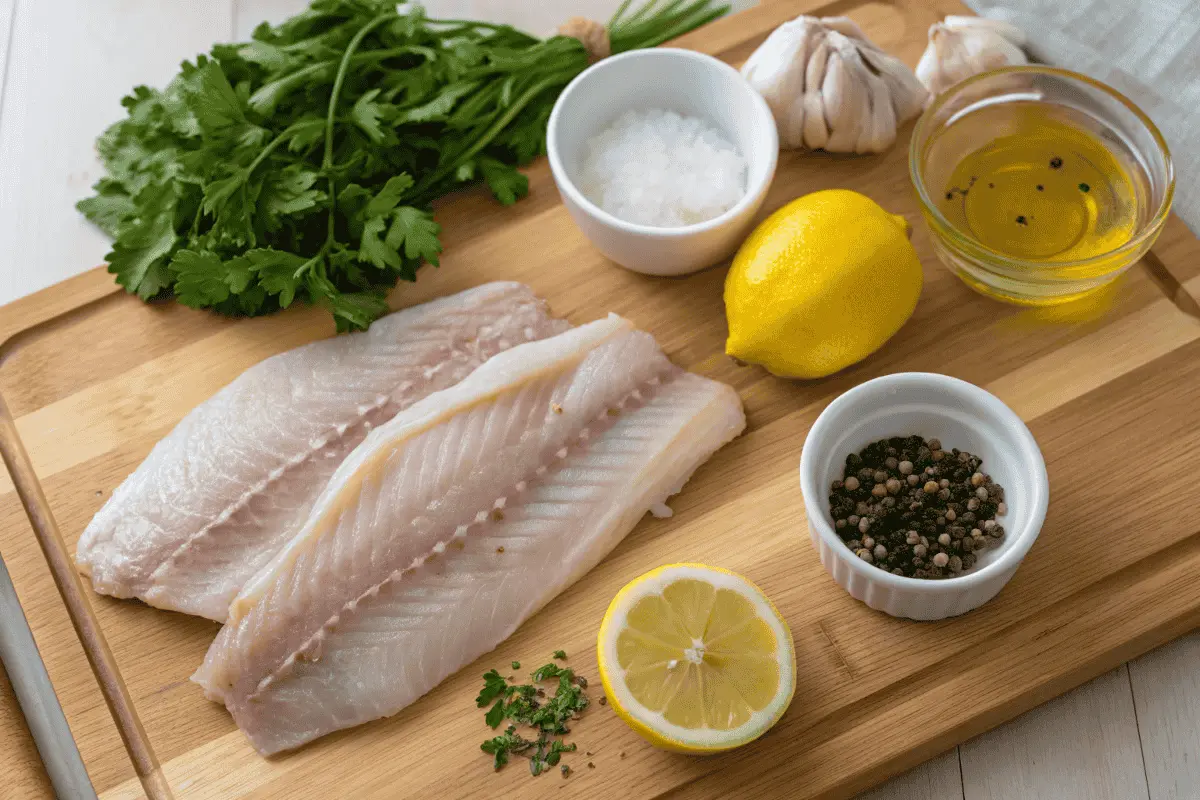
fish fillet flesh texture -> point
(455, 522)
(237, 477)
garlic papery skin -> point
(831, 88)
(961, 47)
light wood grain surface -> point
(1096, 723)
(1141, 336)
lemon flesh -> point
(820, 284)
(696, 659)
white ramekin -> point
(961, 415)
(689, 83)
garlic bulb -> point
(960, 47)
(831, 88)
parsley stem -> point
(340, 78)
(491, 133)
(266, 151)
(331, 113)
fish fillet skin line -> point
(470, 511)
(237, 477)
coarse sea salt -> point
(663, 169)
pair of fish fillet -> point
(486, 493)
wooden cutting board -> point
(95, 378)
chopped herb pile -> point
(528, 705)
(302, 165)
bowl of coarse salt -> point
(662, 157)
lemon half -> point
(696, 659)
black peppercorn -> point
(928, 510)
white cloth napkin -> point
(1149, 50)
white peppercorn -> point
(880, 552)
(920, 550)
(852, 483)
(866, 556)
(931, 487)
(950, 515)
(981, 493)
(864, 524)
(944, 540)
(906, 467)
(977, 479)
(1002, 509)
(941, 560)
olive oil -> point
(1040, 182)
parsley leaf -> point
(289, 193)
(202, 279)
(560, 655)
(496, 715)
(210, 97)
(139, 255)
(416, 231)
(366, 114)
(501, 747)
(389, 196)
(506, 183)
(278, 273)
(110, 207)
(493, 686)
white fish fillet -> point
(237, 477)
(455, 522)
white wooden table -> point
(64, 64)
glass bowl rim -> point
(973, 247)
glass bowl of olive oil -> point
(1039, 185)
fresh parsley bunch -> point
(302, 165)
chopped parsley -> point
(528, 705)
(561, 655)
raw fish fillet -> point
(457, 521)
(237, 477)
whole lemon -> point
(820, 284)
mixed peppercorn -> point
(907, 506)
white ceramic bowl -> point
(689, 83)
(961, 415)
